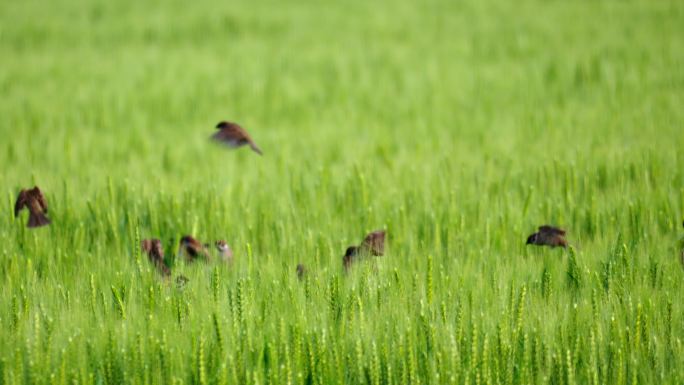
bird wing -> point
(21, 202)
(374, 243)
(158, 248)
(195, 248)
(546, 229)
(40, 198)
(146, 245)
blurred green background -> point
(458, 126)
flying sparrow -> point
(155, 252)
(224, 251)
(372, 245)
(233, 135)
(34, 200)
(548, 236)
(301, 271)
(191, 248)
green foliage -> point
(458, 126)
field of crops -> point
(456, 126)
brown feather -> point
(155, 253)
(40, 198)
(374, 243)
(21, 202)
(35, 202)
(551, 230)
(548, 236)
(192, 248)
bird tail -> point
(255, 148)
(38, 220)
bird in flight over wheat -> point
(155, 253)
(192, 249)
(548, 236)
(232, 135)
(34, 200)
(373, 245)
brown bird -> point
(301, 271)
(155, 252)
(548, 236)
(35, 202)
(372, 245)
(232, 135)
(224, 251)
(191, 248)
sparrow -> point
(224, 251)
(34, 200)
(548, 236)
(191, 248)
(155, 252)
(373, 244)
(232, 135)
(301, 271)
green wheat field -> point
(457, 126)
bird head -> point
(531, 239)
(221, 245)
(351, 251)
(222, 124)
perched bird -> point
(224, 251)
(155, 252)
(372, 245)
(35, 202)
(301, 271)
(192, 249)
(548, 236)
(233, 135)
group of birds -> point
(232, 135)
(191, 250)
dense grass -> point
(457, 126)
